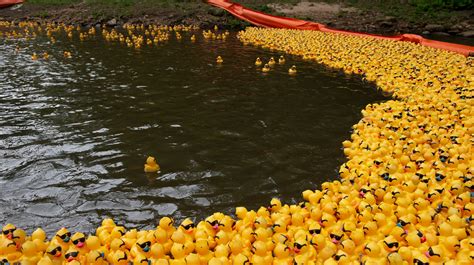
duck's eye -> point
(71, 254)
(299, 246)
(338, 257)
(64, 236)
(101, 256)
(82, 240)
(6, 232)
(391, 245)
(431, 252)
(124, 257)
(144, 245)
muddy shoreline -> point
(206, 16)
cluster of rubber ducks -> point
(267, 66)
(24, 30)
(405, 195)
(132, 35)
(407, 189)
(272, 62)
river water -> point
(75, 133)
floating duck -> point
(151, 166)
(219, 60)
(258, 62)
(292, 70)
(271, 62)
(67, 54)
(45, 56)
(34, 57)
(281, 60)
(266, 68)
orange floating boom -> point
(7, 3)
(270, 21)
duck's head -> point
(188, 226)
(54, 251)
(78, 239)
(63, 235)
(8, 230)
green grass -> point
(415, 11)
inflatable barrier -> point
(7, 3)
(265, 20)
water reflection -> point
(74, 133)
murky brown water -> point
(74, 133)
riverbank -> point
(358, 17)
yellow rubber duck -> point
(67, 54)
(193, 38)
(281, 60)
(34, 57)
(271, 62)
(292, 70)
(45, 56)
(266, 68)
(258, 62)
(151, 165)
(219, 60)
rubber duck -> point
(281, 254)
(202, 249)
(241, 259)
(167, 224)
(219, 60)
(271, 62)
(158, 253)
(303, 252)
(266, 68)
(258, 62)
(67, 54)
(45, 56)
(120, 258)
(281, 60)
(7, 231)
(142, 246)
(106, 225)
(79, 241)
(141, 260)
(31, 255)
(62, 238)
(55, 253)
(292, 70)
(193, 38)
(73, 255)
(192, 259)
(95, 257)
(34, 57)
(151, 166)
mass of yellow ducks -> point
(404, 197)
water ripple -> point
(74, 133)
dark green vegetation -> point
(373, 16)
(427, 11)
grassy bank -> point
(406, 15)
